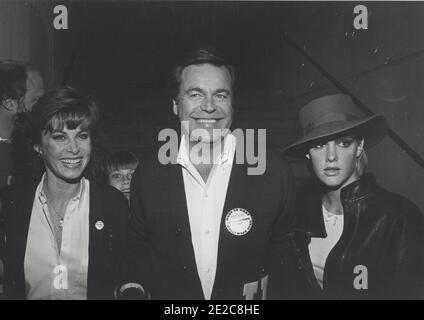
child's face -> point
(121, 180)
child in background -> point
(119, 169)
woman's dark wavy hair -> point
(60, 108)
(55, 110)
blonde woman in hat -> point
(353, 239)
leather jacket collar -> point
(358, 189)
(381, 230)
(311, 199)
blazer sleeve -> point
(407, 243)
(138, 270)
(120, 212)
(14, 241)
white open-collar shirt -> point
(48, 274)
(205, 202)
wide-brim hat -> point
(332, 116)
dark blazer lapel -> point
(236, 185)
(94, 216)
(21, 209)
(174, 186)
(95, 240)
(234, 190)
(24, 206)
(310, 219)
(178, 203)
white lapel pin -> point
(238, 221)
(99, 225)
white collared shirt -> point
(49, 275)
(205, 202)
(320, 248)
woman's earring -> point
(38, 150)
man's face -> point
(35, 89)
(205, 102)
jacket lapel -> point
(95, 241)
(21, 209)
(181, 223)
(24, 205)
(236, 185)
(309, 212)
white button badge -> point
(99, 225)
(238, 221)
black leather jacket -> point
(382, 231)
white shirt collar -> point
(42, 196)
(183, 153)
(330, 217)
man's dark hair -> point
(13, 76)
(199, 57)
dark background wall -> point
(26, 34)
(123, 51)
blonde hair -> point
(361, 163)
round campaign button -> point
(238, 221)
(99, 225)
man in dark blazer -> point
(203, 226)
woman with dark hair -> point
(64, 235)
(353, 239)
